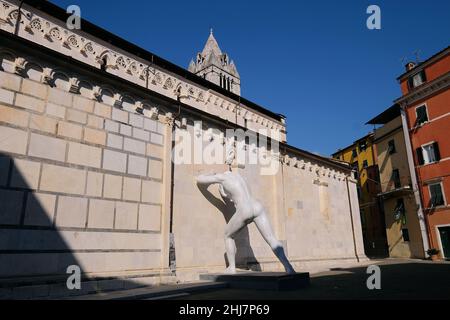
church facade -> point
(91, 128)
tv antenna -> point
(404, 60)
(417, 55)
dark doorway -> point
(444, 233)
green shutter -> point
(419, 153)
(437, 154)
(437, 198)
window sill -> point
(419, 125)
(439, 208)
(427, 164)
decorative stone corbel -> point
(118, 99)
(19, 66)
(47, 76)
(74, 85)
(151, 113)
(168, 117)
(139, 107)
(302, 164)
(294, 162)
(96, 93)
(317, 170)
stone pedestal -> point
(277, 281)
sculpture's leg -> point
(263, 225)
(234, 225)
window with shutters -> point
(365, 164)
(400, 212)
(417, 79)
(428, 153)
(362, 146)
(355, 170)
(354, 153)
(421, 115)
(436, 195)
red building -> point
(425, 107)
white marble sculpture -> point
(248, 210)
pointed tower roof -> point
(211, 46)
(191, 67)
(214, 65)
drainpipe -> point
(19, 18)
(416, 189)
(172, 256)
(351, 219)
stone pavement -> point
(400, 279)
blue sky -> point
(313, 61)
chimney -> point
(410, 65)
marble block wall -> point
(81, 181)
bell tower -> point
(216, 67)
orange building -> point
(425, 106)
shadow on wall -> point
(245, 257)
(34, 255)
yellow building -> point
(400, 208)
(363, 157)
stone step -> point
(278, 281)
(154, 293)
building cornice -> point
(43, 23)
(151, 104)
(425, 90)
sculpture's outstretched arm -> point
(207, 179)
